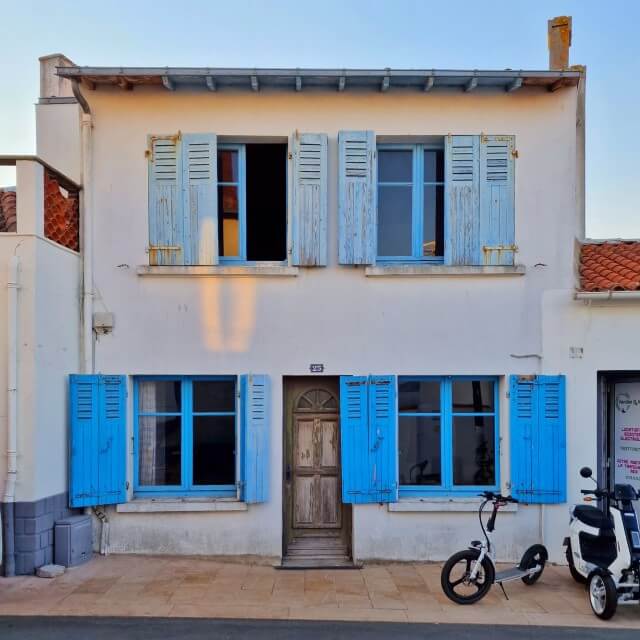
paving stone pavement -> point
(143, 586)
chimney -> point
(559, 36)
(52, 85)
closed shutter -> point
(200, 198)
(255, 427)
(97, 440)
(368, 439)
(166, 223)
(497, 210)
(538, 439)
(309, 210)
(462, 218)
(357, 197)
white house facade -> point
(314, 312)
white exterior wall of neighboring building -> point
(334, 315)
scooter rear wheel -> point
(534, 556)
(456, 581)
(603, 596)
(575, 574)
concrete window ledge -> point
(184, 505)
(440, 505)
(271, 270)
(430, 270)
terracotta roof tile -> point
(610, 266)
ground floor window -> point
(447, 434)
(185, 435)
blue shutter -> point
(309, 210)
(166, 223)
(538, 439)
(357, 197)
(97, 440)
(462, 217)
(497, 211)
(256, 407)
(383, 438)
(368, 439)
(200, 198)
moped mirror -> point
(586, 472)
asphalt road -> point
(40, 628)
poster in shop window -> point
(627, 433)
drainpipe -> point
(87, 364)
(8, 533)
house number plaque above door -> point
(316, 368)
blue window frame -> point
(185, 435)
(232, 210)
(448, 435)
(410, 222)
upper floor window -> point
(410, 202)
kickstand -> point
(503, 591)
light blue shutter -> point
(200, 198)
(97, 440)
(368, 439)
(497, 210)
(309, 215)
(383, 438)
(256, 407)
(538, 439)
(166, 222)
(357, 197)
(462, 200)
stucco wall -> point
(333, 315)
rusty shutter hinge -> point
(514, 153)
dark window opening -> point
(266, 188)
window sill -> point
(219, 270)
(440, 505)
(441, 270)
(182, 505)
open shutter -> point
(497, 211)
(383, 438)
(309, 211)
(357, 197)
(462, 217)
(538, 439)
(97, 440)
(166, 224)
(255, 395)
(200, 198)
(368, 439)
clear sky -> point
(445, 34)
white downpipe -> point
(87, 245)
(13, 285)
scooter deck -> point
(510, 574)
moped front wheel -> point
(603, 596)
(457, 582)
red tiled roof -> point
(610, 266)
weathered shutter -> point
(200, 198)
(462, 217)
(538, 439)
(309, 210)
(357, 197)
(383, 438)
(368, 439)
(97, 440)
(255, 396)
(497, 210)
(166, 221)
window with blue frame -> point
(252, 202)
(186, 434)
(447, 434)
(411, 202)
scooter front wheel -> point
(456, 580)
(603, 596)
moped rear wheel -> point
(456, 580)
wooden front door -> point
(315, 516)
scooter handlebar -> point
(490, 495)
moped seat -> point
(593, 517)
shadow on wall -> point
(229, 314)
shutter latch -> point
(514, 153)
